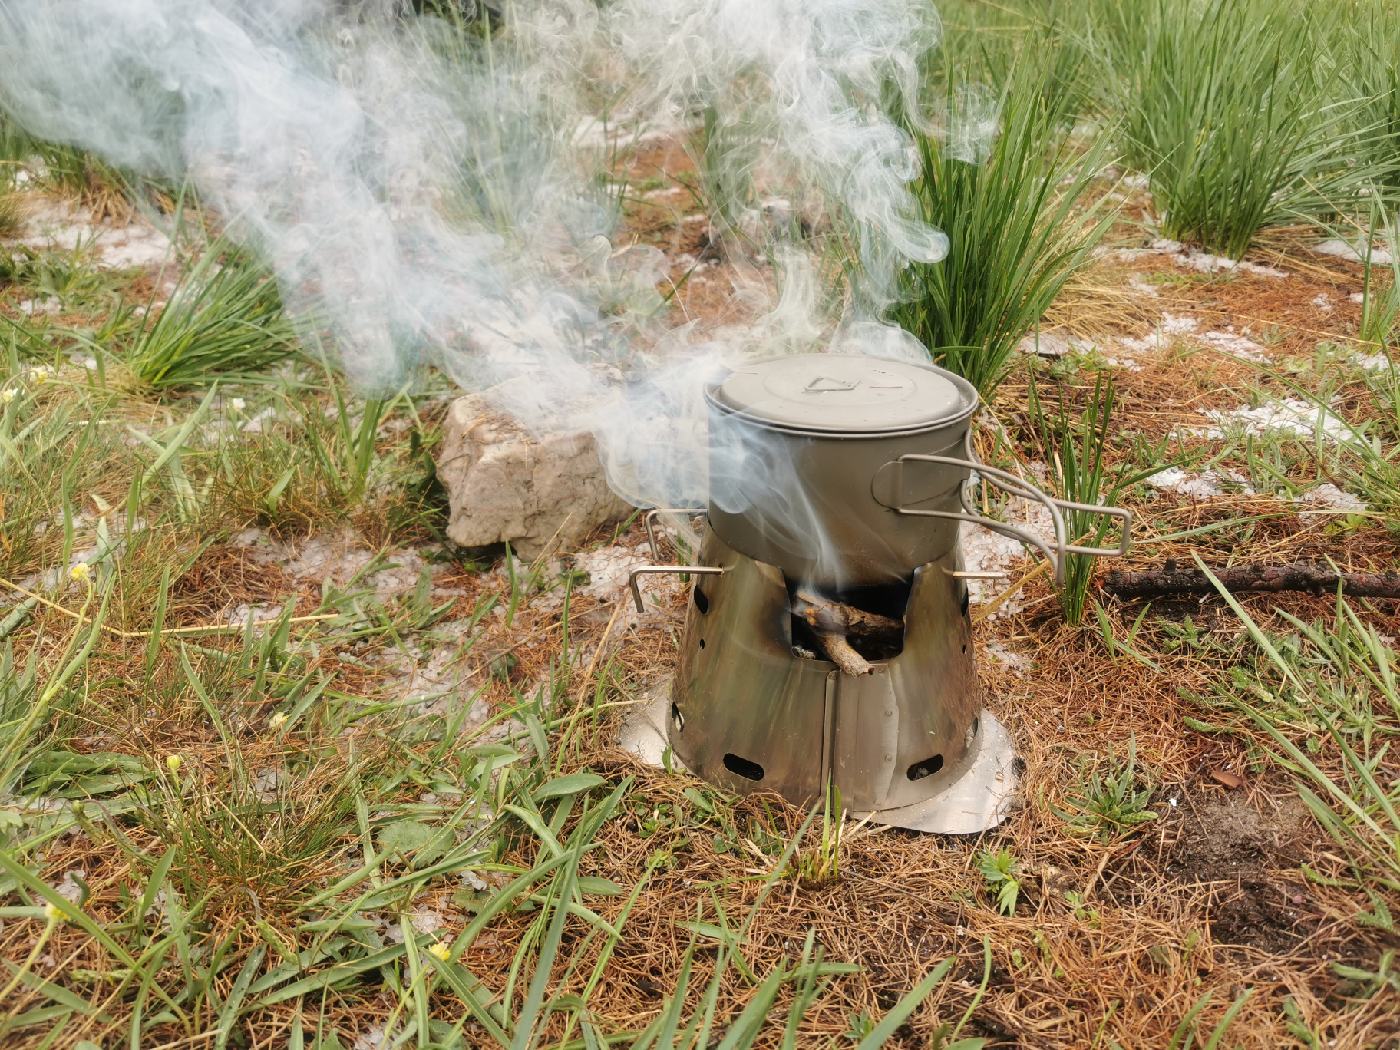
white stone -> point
(1127, 364)
(1168, 330)
(1142, 287)
(505, 485)
(1044, 345)
(1192, 259)
(68, 226)
(33, 307)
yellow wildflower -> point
(173, 763)
(80, 572)
(277, 721)
(440, 951)
(54, 913)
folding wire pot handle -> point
(1010, 483)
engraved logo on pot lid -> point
(879, 386)
(844, 393)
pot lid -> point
(845, 393)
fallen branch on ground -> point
(1172, 579)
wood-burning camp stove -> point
(827, 637)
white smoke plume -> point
(425, 195)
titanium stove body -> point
(838, 485)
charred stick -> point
(826, 615)
(842, 655)
(1171, 579)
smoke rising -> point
(427, 193)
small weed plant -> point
(1001, 871)
(1112, 801)
(822, 863)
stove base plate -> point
(979, 799)
(644, 731)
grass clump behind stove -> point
(223, 319)
(1000, 176)
(1231, 115)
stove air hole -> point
(677, 717)
(702, 643)
(701, 602)
(742, 767)
(966, 600)
(926, 768)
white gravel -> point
(1289, 415)
(1199, 486)
(1341, 249)
(1327, 501)
(52, 223)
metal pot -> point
(831, 466)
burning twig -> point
(835, 623)
(839, 650)
(1172, 579)
(826, 615)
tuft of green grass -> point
(1072, 443)
(992, 43)
(10, 219)
(1228, 112)
(1366, 50)
(15, 145)
(1002, 180)
(1380, 301)
(106, 189)
(723, 152)
(223, 321)
(58, 463)
(310, 466)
